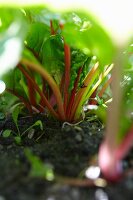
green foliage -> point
(55, 60)
(52, 55)
(79, 59)
(37, 34)
(37, 123)
(6, 133)
(12, 33)
(82, 31)
(38, 168)
(126, 118)
(18, 136)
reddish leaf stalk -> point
(110, 159)
(100, 94)
(83, 89)
(125, 146)
(52, 28)
(73, 94)
(39, 69)
(39, 91)
(93, 101)
(26, 103)
(67, 58)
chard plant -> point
(59, 63)
(63, 64)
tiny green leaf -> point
(38, 168)
(18, 139)
(38, 123)
(6, 133)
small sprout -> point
(38, 123)
(18, 140)
(6, 133)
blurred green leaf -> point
(6, 133)
(38, 123)
(83, 31)
(37, 34)
(18, 140)
(13, 31)
(38, 168)
(126, 117)
(52, 54)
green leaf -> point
(18, 140)
(38, 168)
(37, 34)
(38, 123)
(91, 39)
(11, 39)
(126, 117)
(6, 133)
(43, 15)
(52, 54)
(79, 59)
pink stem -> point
(110, 159)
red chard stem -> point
(26, 103)
(52, 84)
(52, 28)
(39, 91)
(92, 100)
(73, 93)
(126, 144)
(67, 60)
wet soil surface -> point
(68, 149)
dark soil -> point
(69, 150)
